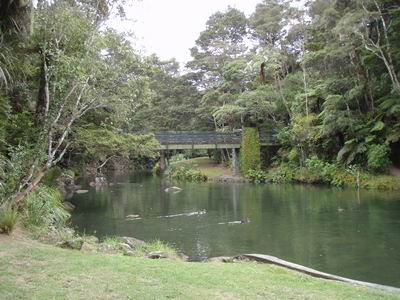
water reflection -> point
(332, 230)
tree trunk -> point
(42, 105)
(18, 197)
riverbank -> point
(333, 176)
(34, 270)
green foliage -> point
(98, 144)
(282, 174)
(112, 241)
(249, 150)
(186, 172)
(378, 158)
(42, 208)
(8, 219)
(52, 175)
(180, 168)
(256, 176)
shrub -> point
(378, 158)
(315, 166)
(8, 219)
(186, 172)
(256, 176)
(43, 207)
(281, 174)
(52, 175)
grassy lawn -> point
(208, 167)
(31, 270)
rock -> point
(223, 259)
(88, 247)
(128, 253)
(124, 247)
(183, 257)
(92, 239)
(68, 206)
(105, 248)
(173, 189)
(81, 191)
(71, 244)
(99, 181)
(132, 216)
(65, 183)
(132, 242)
(157, 255)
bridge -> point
(175, 140)
(192, 140)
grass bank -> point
(207, 167)
(31, 270)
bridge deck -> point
(206, 140)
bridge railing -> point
(208, 138)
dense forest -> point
(323, 77)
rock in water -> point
(82, 191)
(173, 189)
(68, 206)
(99, 181)
(132, 216)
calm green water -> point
(336, 231)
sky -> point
(170, 28)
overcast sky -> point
(169, 28)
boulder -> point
(81, 191)
(183, 257)
(99, 181)
(132, 216)
(157, 255)
(106, 248)
(124, 247)
(132, 242)
(88, 247)
(220, 259)
(92, 239)
(173, 189)
(68, 206)
(128, 253)
(71, 244)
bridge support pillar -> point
(235, 162)
(163, 165)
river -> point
(339, 231)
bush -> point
(257, 176)
(186, 172)
(180, 169)
(52, 175)
(8, 219)
(43, 207)
(281, 174)
(378, 158)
